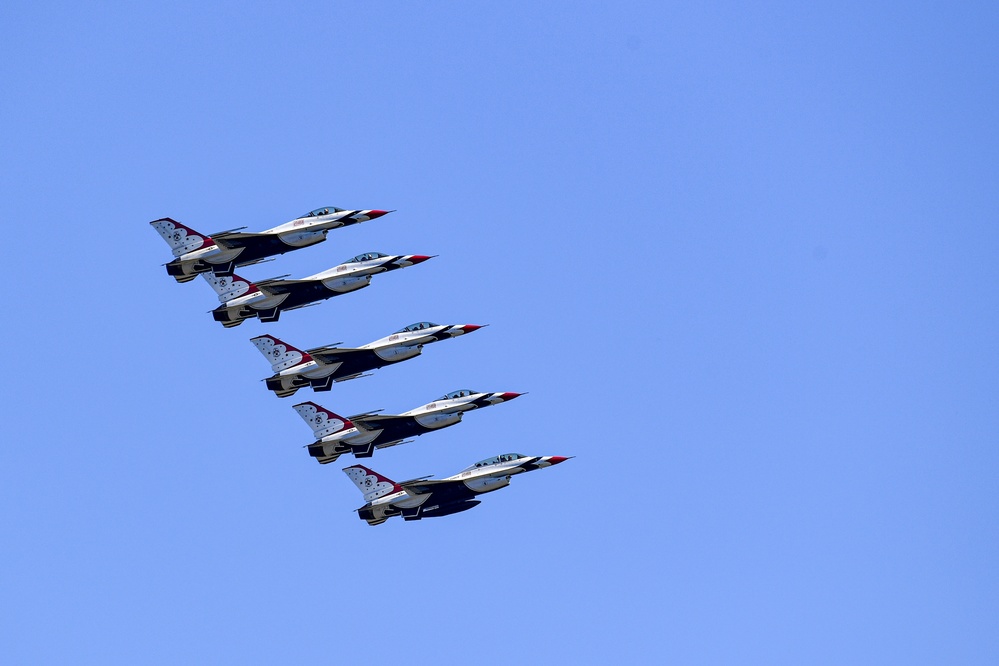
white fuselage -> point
(479, 480)
(307, 225)
(395, 347)
(433, 416)
(300, 232)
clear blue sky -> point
(743, 259)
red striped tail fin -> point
(322, 421)
(371, 483)
(180, 238)
(229, 287)
(280, 354)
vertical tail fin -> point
(181, 239)
(281, 355)
(230, 286)
(322, 421)
(369, 482)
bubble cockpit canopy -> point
(325, 210)
(463, 393)
(419, 326)
(367, 256)
(503, 458)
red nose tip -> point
(372, 214)
(511, 396)
(418, 258)
(554, 460)
(468, 328)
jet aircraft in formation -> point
(320, 367)
(216, 256)
(266, 300)
(428, 498)
(361, 434)
(222, 252)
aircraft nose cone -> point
(372, 214)
(554, 460)
(510, 396)
(468, 328)
(419, 258)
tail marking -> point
(230, 286)
(322, 421)
(371, 483)
(281, 355)
(181, 239)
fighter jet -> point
(361, 434)
(427, 498)
(266, 300)
(320, 367)
(222, 252)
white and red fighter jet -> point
(361, 434)
(266, 300)
(320, 367)
(428, 498)
(222, 252)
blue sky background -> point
(744, 259)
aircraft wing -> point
(376, 418)
(324, 348)
(424, 486)
(233, 240)
(331, 355)
(391, 425)
(275, 287)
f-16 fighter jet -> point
(242, 299)
(363, 433)
(427, 498)
(320, 367)
(222, 252)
